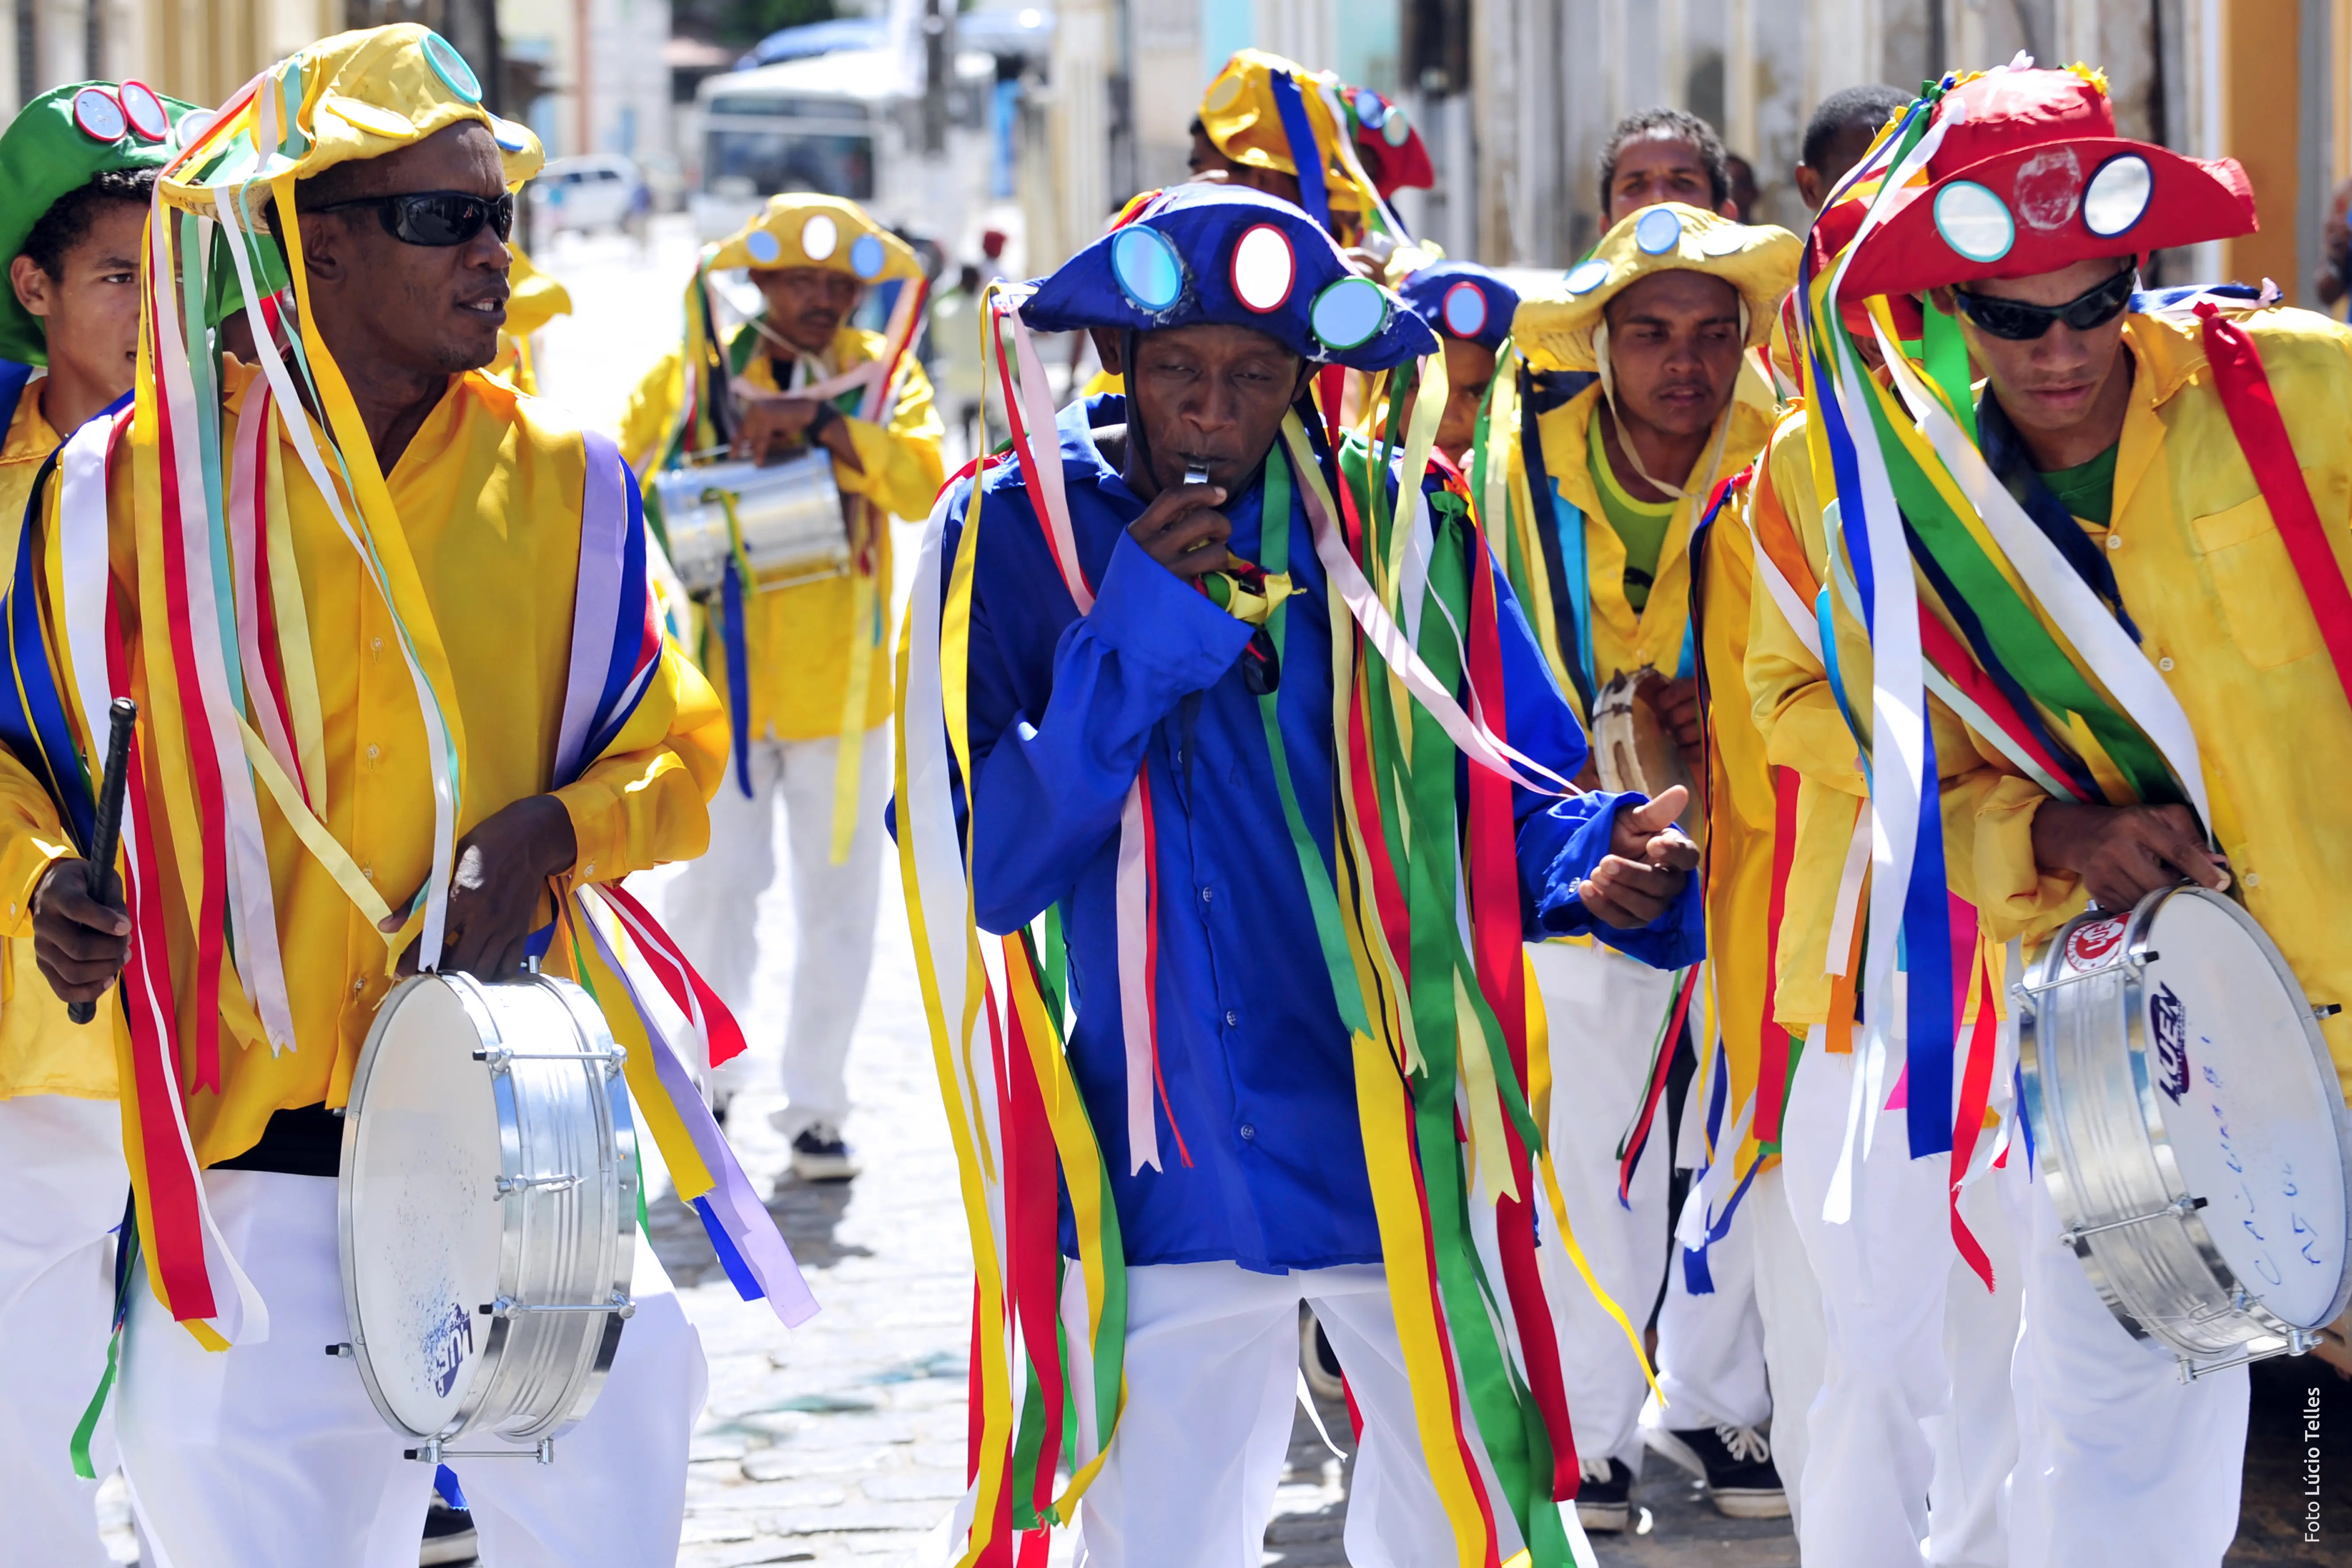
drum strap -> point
(2254, 411)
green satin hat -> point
(57, 145)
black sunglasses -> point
(437, 218)
(2020, 322)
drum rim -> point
(2131, 968)
(484, 1376)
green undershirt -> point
(2088, 490)
(1639, 525)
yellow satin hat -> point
(534, 298)
(1243, 117)
(356, 95)
(1554, 328)
(802, 228)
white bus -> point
(847, 123)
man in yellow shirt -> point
(804, 667)
(2179, 623)
(1664, 310)
(73, 199)
(1336, 152)
(437, 662)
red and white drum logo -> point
(2088, 944)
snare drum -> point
(488, 1191)
(1631, 747)
(789, 514)
(2188, 1116)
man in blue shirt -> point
(1086, 673)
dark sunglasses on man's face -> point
(2020, 322)
(439, 219)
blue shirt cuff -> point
(1153, 618)
(1675, 938)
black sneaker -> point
(820, 1155)
(1735, 1463)
(448, 1536)
(1603, 1494)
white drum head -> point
(2250, 1117)
(420, 1177)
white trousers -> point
(1711, 1345)
(1913, 1370)
(1603, 1012)
(270, 1455)
(713, 908)
(1789, 1310)
(1211, 1380)
(2121, 1465)
(62, 1173)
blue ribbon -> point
(1927, 956)
(33, 723)
(1303, 153)
(1576, 569)
(739, 676)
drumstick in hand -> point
(121, 717)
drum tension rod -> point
(509, 1185)
(2297, 1342)
(617, 1304)
(432, 1453)
(2179, 1208)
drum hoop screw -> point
(2179, 1208)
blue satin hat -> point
(1463, 300)
(1229, 256)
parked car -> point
(594, 191)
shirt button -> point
(1249, 1133)
(2115, 542)
(376, 648)
(2164, 664)
(374, 752)
(1231, 1018)
(589, 869)
(2254, 878)
(1208, 895)
(367, 871)
(359, 984)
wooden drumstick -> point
(121, 715)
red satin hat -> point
(2030, 177)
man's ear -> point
(1808, 185)
(323, 239)
(1942, 300)
(1728, 208)
(31, 284)
(1107, 349)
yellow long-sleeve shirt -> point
(2225, 620)
(42, 1051)
(1625, 641)
(489, 496)
(799, 637)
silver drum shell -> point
(562, 1108)
(2102, 1142)
(789, 514)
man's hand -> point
(1676, 703)
(502, 865)
(79, 942)
(1182, 530)
(772, 426)
(1649, 861)
(2125, 852)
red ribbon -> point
(2253, 407)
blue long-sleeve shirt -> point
(1064, 709)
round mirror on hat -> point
(98, 114)
(1147, 268)
(451, 67)
(820, 237)
(1348, 313)
(1264, 269)
(867, 256)
(1657, 231)
(1464, 309)
(2117, 196)
(765, 248)
(1396, 129)
(1974, 222)
(149, 120)
(1587, 276)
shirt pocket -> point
(2263, 602)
